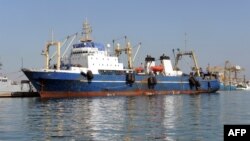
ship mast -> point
(45, 52)
(87, 30)
(129, 53)
(227, 73)
(127, 50)
(188, 53)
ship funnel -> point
(167, 65)
(149, 62)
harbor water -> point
(162, 117)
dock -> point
(19, 94)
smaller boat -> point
(243, 86)
(10, 88)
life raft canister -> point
(139, 69)
(159, 68)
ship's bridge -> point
(93, 56)
(99, 46)
(87, 48)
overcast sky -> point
(217, 30)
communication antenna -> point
(185, 41)
(22, 62)
(0, 64)
(52, 35)
(108, 48)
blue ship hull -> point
(65, 84)
(227, 87)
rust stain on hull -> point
(49, 94)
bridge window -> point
(4, 80)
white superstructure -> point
(93, 56)
(165, 67)
(85, 55)
(7, 86)
(168, 68)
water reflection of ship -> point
(60, 117)
(120, 118)
(144, 114)
(123, 118)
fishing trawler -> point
(91, 71)
(10, 88)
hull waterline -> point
(47, 94)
